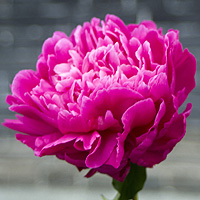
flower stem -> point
(136, 197)
(132, 184)
(118, 195)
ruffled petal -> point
(27, 78)
(102, 150)
(37, 143)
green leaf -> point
(104, 198)
(132, 184)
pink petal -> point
(149, 24)
(117, 23)
(48, 47)
(67, 122)
(134, 44)
(77, 158)
(89, 41)
(42, 68)
(172, 133)
(113, 59)
(37, 143)
(185, 69)
(58, 145)
(77, 59)
(62, 48)
(120, 98)
(33, 113)
(29, 126)
(159, 87)
(23, 83)
(86, 142)
(139, 114)
(140, 33)
(108, 122)
(13, 100)
(117, 155)
(117, 173)
(62, 68)
(101, 151)
(157, 46)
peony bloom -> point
(105, 96)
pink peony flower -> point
(106, 96)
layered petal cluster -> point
(105, 96)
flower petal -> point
(139, 114)
(27, 78)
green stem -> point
(132, 184)
(136, 197)
(118, 195)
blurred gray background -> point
(24, 25)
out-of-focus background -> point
(24, 25)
